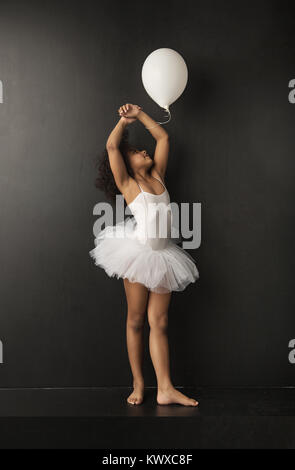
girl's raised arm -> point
(116, 160)
(157, 131)
(162, 137)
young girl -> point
(151, 266)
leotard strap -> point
(139, 186)
(161, 181)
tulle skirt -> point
(120, 253)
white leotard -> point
(152, 213)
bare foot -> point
(171, 395)
(136, 397)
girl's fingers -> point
(125, 108)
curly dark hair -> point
(105, 179)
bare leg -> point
(159, 349)
(136, 295)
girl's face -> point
(139, 159)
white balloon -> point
(164, 75)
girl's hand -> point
(129, 112)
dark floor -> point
(101, 418)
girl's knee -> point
(158, 321)
(135, 319)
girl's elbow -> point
(165, 136)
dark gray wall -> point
(65, 69)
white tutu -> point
(121, 254)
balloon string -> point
(165, 122)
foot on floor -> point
(171, 396)
(136, 397)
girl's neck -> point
(142, 175)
